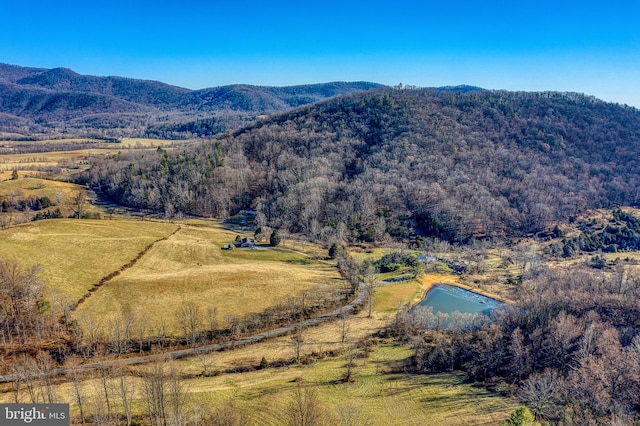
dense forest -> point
(399, 164)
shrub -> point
(264, 363)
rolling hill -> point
(400, 164)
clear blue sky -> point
(590, 47)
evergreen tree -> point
(333, 251)
(275, 238)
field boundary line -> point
(117, 272)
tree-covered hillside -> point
(395, 163)
(59, 102)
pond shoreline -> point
(428, 281)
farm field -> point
(190, 268)
(377, 395)
(380, 393)
(30, 161)
(76, 254)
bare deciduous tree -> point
(343, 326)
(305, 408)
(297, 340)
(75, 375)
(165, 394)
(125, 391)
(189, 319)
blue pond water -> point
(446, 306)
(448, 299)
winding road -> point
(205, 348)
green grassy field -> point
(377, 396)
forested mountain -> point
(396, 163)
(60, 102)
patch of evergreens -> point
(622, 235)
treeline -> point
(10, 204)
(397, 164)
(571, 348)
(29, 147)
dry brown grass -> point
(144, 142)
(37, 187)
(376, 397)
(191, 268)
(75, 254)
(44, 159)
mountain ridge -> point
(61, 102)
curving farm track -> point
(207, 348)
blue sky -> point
(588, 47)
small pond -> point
(446, 306)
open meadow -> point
(75, 254)
(191, 268)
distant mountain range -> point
(37, 102)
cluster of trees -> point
(25, 315)
(393, 261)
(17, 208)
(571, 348)
(14, 203)
(623, 234)
(391, 163)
